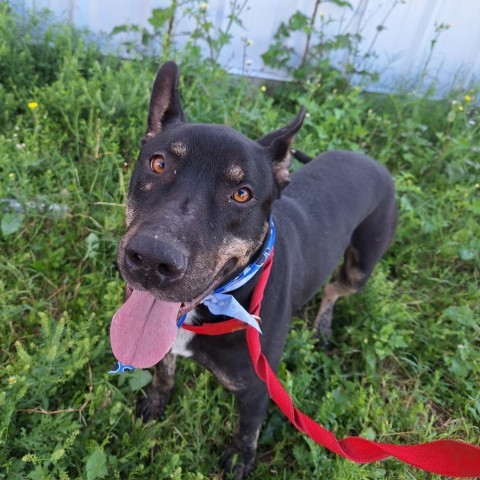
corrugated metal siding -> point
(402, 48)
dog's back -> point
(339, 203)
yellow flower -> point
(249, 42)
(33, 105)
(12, 380)
(263, 88)
(468, 98)
(203, 6)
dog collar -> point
(220, 303)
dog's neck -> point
(244, 291)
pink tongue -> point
(143, 330)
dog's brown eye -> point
(157, 163)
(243, 195)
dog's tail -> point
(300, 156)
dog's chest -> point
(184, 337)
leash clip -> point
(122, 368)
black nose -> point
(152, 259)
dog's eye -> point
(157, 163)
(243, 195)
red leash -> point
(444, 457)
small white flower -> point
(20, 146)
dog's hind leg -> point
(367, 245)
(348, 281)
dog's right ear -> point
(165, 104)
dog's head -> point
(199, 199)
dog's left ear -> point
(165, 104)
(278, 145)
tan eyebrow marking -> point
(179, 149)
(235, 173)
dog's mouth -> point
(144, 328)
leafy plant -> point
(316, 61)
(160, 37)
(405, 364)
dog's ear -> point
(278, 145)
(165, 104)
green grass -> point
(406, 362)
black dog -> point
(198, 212)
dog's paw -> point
(237, 463)
(324, 342)
(152, 406)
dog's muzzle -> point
(154, 260)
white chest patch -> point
(184, 337)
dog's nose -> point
(160, 262)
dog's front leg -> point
(159, 392)
(239, 458)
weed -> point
(405, 365)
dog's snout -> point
(147, 257)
